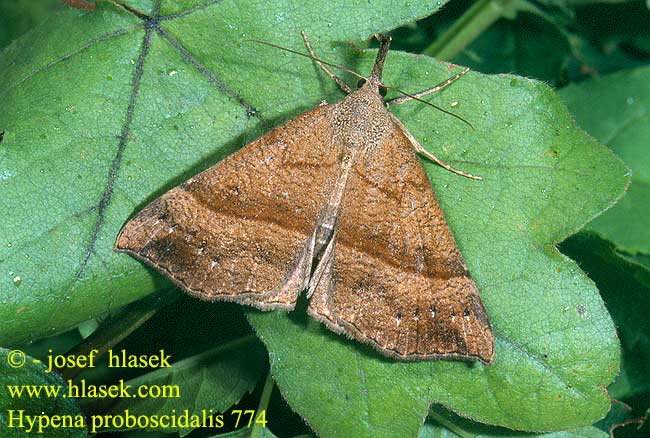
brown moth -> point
(336, 203)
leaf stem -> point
(257, 430)
(467, 28)
(445, 422)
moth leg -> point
(441, 86)
(420, 150)
(336, 79)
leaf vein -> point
(211, 76)
(117, 160)
(69, 55)
(189, 11)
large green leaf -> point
(587, 2)
(33, 402)
(430, 430)
(209, 382)
(585, 42)
(443, 424)
(104, 114)
(102, 111)
(18, 16)
(555, 343)
(616, 110)
(626, 290)
(245, 432)
(517, 44)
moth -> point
(334, 203)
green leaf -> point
(258, 428)
(18, 413)
(443, 424)
(201, 91)
(207, 383)
(555, 343)
(103, 111)
(638, 259)
(616, 110)
(575, 3)
(18, 16)
(430, 430)
(618, 415)
(625, 287)
(517, 46)
(245, 432)
(585, 41)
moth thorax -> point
(360, 121)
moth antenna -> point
(376, 72)
(411, 96)
(340, 82)
(315, 58)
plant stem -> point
(467, 28)
(445, 422)
(258, 431)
